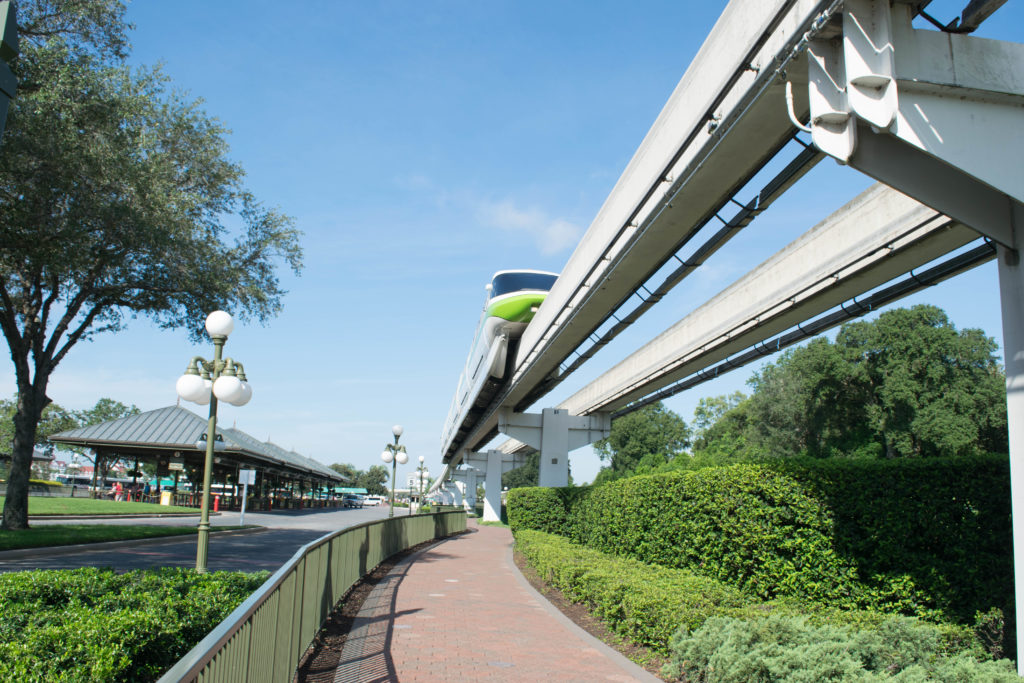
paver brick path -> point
(460, 611)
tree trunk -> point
(31, 402)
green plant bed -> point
(49, 535)
(713, 632)
(928, 538)
(96, 625)
(793, 648)
(89, 506)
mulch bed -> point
(320, 662)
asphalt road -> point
(284, 533)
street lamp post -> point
(420, 470)
(394, 454)
(206, 381)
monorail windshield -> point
(504, 283)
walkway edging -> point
(631, 667)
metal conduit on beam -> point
(847, 311)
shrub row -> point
(674, 611)
(924, 538)
(646, 604)
(96, 625)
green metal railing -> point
(264, 638)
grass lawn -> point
(45, 505)
(44, 536)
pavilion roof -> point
(176, 429)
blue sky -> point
(420, 147)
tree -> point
(527, 475)
(907, 384)
(374, 480)
(54, 419)
(646, 438)
(928, 389)
(115, 199)
(346, 470)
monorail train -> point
(513, 297)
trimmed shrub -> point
(745, 525)
(937, 526)
(917, 537)
(644, 603)
(96, 625)
(787, 648)
(539, 509)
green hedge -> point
(914, 537)
(96, 625)
(539, 509)
(654, 605)
(644, 603)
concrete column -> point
(492, 487)
(1011, 290)
(554, 432)
(457, 487)
(470, 490)
(554, 448)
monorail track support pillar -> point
(554, 432)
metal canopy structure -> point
(175, 432)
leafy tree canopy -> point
(907, 384)
(642, 440)
(374, 480)
(117, 199)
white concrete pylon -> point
(494, 463)
(1011, 288)
(554, 432)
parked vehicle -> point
(352, 500)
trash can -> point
(165, 497)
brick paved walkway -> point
(461, 611)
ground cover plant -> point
(48, 535)
(96, 625)
(46, 505)
(714, 632)
(793, 648)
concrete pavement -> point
(461, 610)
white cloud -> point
(551, 235)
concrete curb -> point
(57, 550)
(632, 668)
(166, 515)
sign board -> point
(247, 477)
(176, 464)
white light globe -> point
(397, 430)
(228, 388)
(386, 456)
(246, 394)
(219, 324)
(190, 387)
(421, 459)
(402, 457)
(207, 392)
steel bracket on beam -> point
(935, 115)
